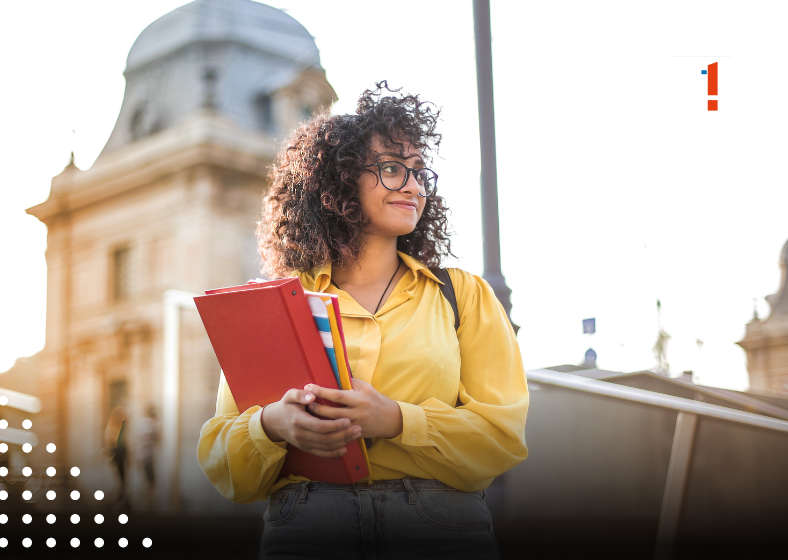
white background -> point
(617, 187)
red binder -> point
(267, 342)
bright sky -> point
(617, 187)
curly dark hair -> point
(312, 214)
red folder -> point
(267, 343)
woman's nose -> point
(411, 185)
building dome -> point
(779, 301)
(243, 22)
(248, 64)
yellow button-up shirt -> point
(463, 393)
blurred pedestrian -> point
(117, 448)
(147, 434)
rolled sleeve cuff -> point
(266, 447)
(414, 426)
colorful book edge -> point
(323, 322)
(332, 306)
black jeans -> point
(390, 519)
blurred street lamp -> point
(491, 243)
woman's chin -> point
(405, 231)
(391, 231)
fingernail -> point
(357, 432)
(342, 451)
(309, 397)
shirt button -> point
(413, 437)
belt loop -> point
(304, 491)
(411, 491)
(484, 493)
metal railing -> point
(578, 383)
(683, 437)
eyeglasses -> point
(394, 175)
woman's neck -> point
(375, 264)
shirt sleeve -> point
(468, 445)
(235, 453)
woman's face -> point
(391, 213)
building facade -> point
(170, 204)
(766, 340)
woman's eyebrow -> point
(400, 156)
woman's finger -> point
(334, 395)
(360, 385)
(327, 442)
(330, 454)
(331, 412)
(298, 396)
(307, 422)
(325, 446)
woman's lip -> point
(405, 204)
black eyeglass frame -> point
(408, 171)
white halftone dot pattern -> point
(27, 494)
(74, 471)
(3, 424)
(51, 447)
(75, 494)
(146, 542)
(3, 400)
(51, 518)
(27, 543)
(75, 519)
(27, 471)
(3, 471)
(51, 542)
(3, 543)
(3, 447)
(51, 471)
(3, 495)
(3, 518)
(27, 518)
(27, 424)
(27, 448)
(123, 543)
(99, 495)
(99, 542)
(123, 518)
(75, 542)
(51, 495)
(99, 518)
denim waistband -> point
(397, 484)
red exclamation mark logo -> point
(712, 78)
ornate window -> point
(138, 128)
(121, 274)
(264, 112)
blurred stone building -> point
(171, 203)
(766, 341)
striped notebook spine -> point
(320, 314)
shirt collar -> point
(319, 278)
(416, 266)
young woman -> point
(353, 211)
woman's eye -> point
(389, 168)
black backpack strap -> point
(447, 289)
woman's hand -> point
(287, 420)
(378, 415)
